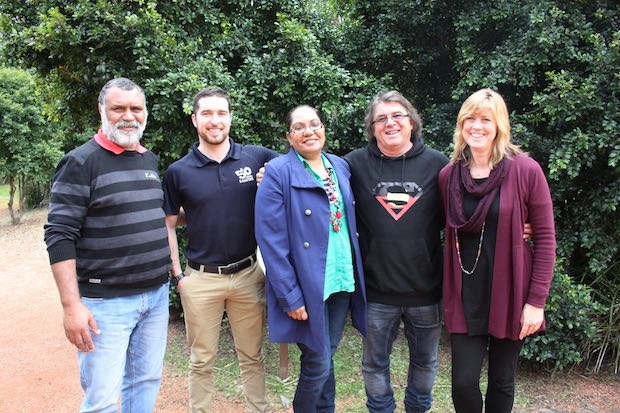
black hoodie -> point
(399, 219)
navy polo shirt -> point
(218, 200)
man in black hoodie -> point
(394, 180)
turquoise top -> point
(339, 264)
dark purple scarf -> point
(460, 180)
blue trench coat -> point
(292, 230)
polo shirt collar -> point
(201, 159)
(108, 145)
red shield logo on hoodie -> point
(397, 197)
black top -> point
(477, 286)
(399, 219)
(218, 200)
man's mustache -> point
(126, 124)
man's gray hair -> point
(392, 96)
(121, 83)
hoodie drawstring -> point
(380, 170)
(402, 174)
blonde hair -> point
(502, 147)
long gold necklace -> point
(458, 250)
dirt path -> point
(38, 366)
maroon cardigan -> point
(521, 274)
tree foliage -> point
(27, 150)
(557, 63)
(260, 51)
(558, 66)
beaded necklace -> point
(458, 250)
(335, 213)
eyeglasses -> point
(397, 117)
(301, 128)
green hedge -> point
(571, 325)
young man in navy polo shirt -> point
(215, 186)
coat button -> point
(357, 234)
(306, 245)
(308, 212)
(353, 202)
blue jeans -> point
(423, 330)
(316, 388)
(129, 352)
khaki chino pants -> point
(205, 296)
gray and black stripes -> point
(109, 208)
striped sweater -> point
(106, 212)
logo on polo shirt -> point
(244, 174)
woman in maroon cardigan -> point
(495, 283)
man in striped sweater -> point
(107, 243)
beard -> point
(124, 139)
(212, 140)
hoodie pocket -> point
(401, 266)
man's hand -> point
(181, 283)
(299, 314)
(260, 174)
(527, 232)
(78, 322)
(531, 320)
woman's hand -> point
(299, 314)
(531, 320)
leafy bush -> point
(555, 62)
(28, 149)
(606, 290)
(35, 194)
(571, 325)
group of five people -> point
(359, 235)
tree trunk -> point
(22, 194)
(16, 216)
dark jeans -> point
(468, 353)
(422, 330)
(316, 388)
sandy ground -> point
(39, 371)
(39, 367)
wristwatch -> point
(174, 279)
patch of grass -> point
(350, 394)
(351, 397)
(4, 192)
(177, 351)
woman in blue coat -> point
(306, 231)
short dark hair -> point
(289, 115)
(207, 92)
(121, 83)
(393, 96)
